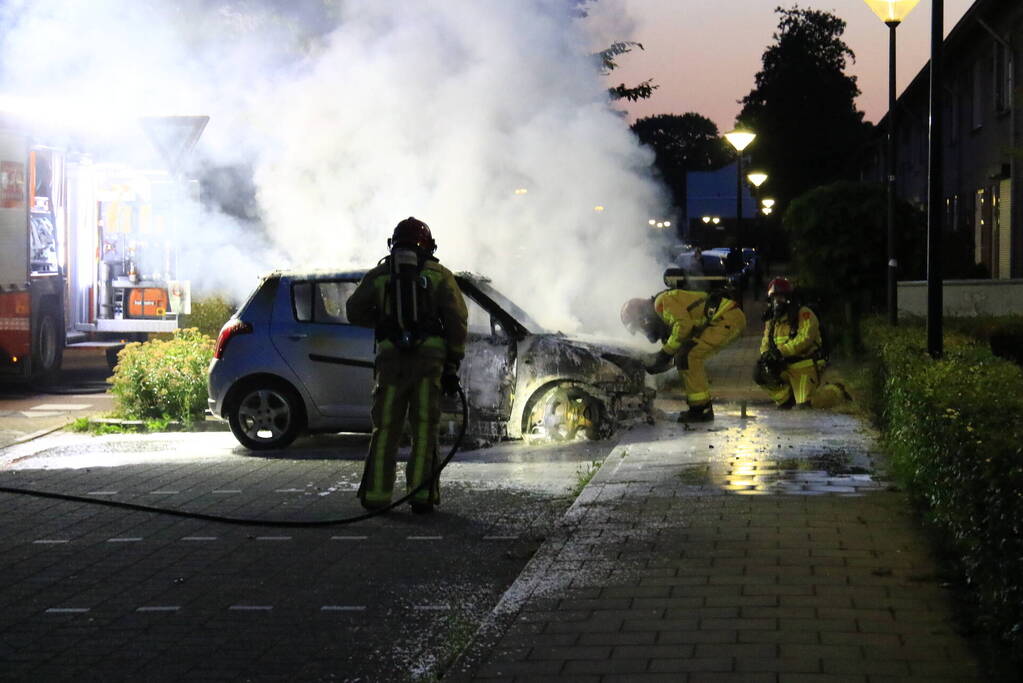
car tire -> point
(561, 412)
(47, 347)
(266, 415)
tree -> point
(802, 108)
(689, 142)
(608, 64)
(839, 249)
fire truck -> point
(87, 245)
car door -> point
(488, 370)
(332, 358)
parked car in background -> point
(289, 362)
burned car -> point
(289, 362)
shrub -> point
(163, 379)
(839, 251)
(209, 314)
(1004, 333)
(954, 429)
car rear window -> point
(322, 301)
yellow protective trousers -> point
(406, 385)
(799, 381)
(723, 331)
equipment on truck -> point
(88, 247)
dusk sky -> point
(704, 54)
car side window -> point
(322, 301)
(302, 301)
(330, 300)
(481, 322)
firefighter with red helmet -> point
(420, 318)
(691, 326)
(792, 354)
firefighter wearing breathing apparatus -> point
(691, 326)
(420, 318)
(792, 358)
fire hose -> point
(242, 521)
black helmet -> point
(638, 315)
(413, 233)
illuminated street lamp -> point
(767, 203)
(740, 140)
(767, 210)
(757, 178)
(891, 12)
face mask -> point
(779, 306)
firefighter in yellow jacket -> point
(420, 318)
(792, 361)
(691, 326)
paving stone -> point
(693, 664)
(606, 666)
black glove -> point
(772, 361)
(449, 384)
(656, 363)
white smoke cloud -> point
(356, 114)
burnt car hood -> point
(589, 360)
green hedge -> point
(954, 429)
(209, 313)
(163, 378)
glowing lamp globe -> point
(757, 178)
(891, 11)
(740, 139)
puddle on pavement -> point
(829, 472)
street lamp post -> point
(740, 140)
(935, 190)
(891, 12)
(756, 179)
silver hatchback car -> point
(289, 362)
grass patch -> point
(583, 475)
(102, 426)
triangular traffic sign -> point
(174, 136)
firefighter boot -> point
(704, 413)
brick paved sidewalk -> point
(755, 549)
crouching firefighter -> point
(420, 318)
(691, 326)
(792, 354)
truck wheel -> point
(266, 415)
(47, 347)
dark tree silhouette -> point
(687, 142)
(632, 93)
(809, 132)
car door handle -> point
(297, 337)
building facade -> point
(982, 139)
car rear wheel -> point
(266, 416)
(562, 413)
